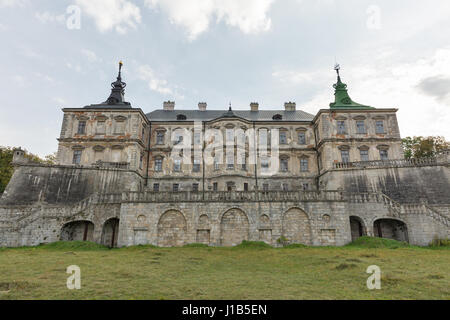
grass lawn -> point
(249, 271)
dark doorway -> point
(110, 232)
(357, 227)
(77, 231)
(391, 229)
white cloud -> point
(119, 15)
(59, 101)
(20, 80)
(250, 16)
(48, 17)
(90, 55)
(74, 67)
(12, 3)
(147, 74)
(415, 87)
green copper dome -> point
(342, 99)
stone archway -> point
(234, 228)
(296, 226)
(172, 229)
(391, 229)
(77, 231)
(357, 227)
(110, 232)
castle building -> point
(172, 177)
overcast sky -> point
(392, 54)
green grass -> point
(251, 270)
(369, 242)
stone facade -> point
(339, 175)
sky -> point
(57, 54)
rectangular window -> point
(177, 165)
(263, 141)
(215, 186)
(304, 165)
(379, 126)
(285, 187)
(341, 127)
(197, 140)
(158, 165)
(175, 187)
(345, 155)
(101, 127)
(141, 160)
(360, 127)
(81, 127)
(284, 165)
(301, 138)
(305, 186)
(156, 187)
(195, 187)
(76, 156)
(160, 137)
(230, 162)
(383, 154)
(216, 164)
(264, 164)
(230, 136)
(245, 186)
(364, 155)
(283, 137)
(196, 166)
(120, 127)
(265, 187)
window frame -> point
(361, 129)
(345, 159)
(77, 154)
(341, 129)
(81, 130)
(304, 165)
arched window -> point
(181, 117)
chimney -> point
(202, 106)
(169, 105)
(254, 106)
(19, 156)
(289, 106)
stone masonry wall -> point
(403, 184)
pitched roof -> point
(208, 115)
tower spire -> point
(342, 99)
(118, 90)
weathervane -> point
(337, 67)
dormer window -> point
(277, 117)
(181, 117)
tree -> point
(7, 169)
(423, 147)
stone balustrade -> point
(386, 163)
